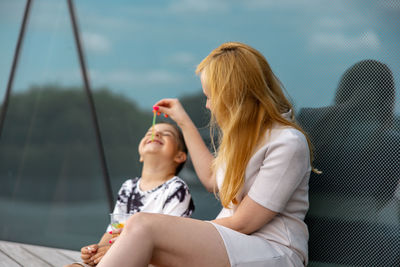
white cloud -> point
(161, 77)
(128, 78)
(11, 11)
(144, 86)
(343, 42)
(183, 6)
(271, 3)
(50, 17)
(108, 22)
(331, 23)
(294, 4)
(184, 58)
(95, 42)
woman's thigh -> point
(183, 241)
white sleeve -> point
(179, 201)
(284, 167)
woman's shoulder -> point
(283, 138)
(285, 134)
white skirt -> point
(253, 251)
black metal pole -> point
(92, 106)
(14, 65)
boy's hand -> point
(115, 233)
(87, 252)
(101, 251)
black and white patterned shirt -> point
(172, 198)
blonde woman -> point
(261, 172)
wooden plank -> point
(51, 255)
(16, 252)
(73, 255)
(6, 261)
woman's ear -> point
(180, 157)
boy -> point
(158, 190)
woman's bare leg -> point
(165, 240)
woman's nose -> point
(208, 104)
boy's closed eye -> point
(162, 133)
(167, 133)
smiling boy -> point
(158, 190)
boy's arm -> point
(105, 239)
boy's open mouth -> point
(155, 141)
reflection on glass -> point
(49, 164)
(137, 53)
(11, 13)
(357, 148)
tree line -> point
(48, 146)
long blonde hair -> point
(246, 99)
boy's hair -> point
(181, 144)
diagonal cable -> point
(91, 105)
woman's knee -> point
(139, 223)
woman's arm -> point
(200, 155)
(248, 218)
(285, 166)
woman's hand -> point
(173, 108)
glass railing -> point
(53, 190)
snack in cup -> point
(118, 221)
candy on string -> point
(155, 113)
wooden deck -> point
(17, 254)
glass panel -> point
(132, 58)
(11, 13)
(141, 51)
(52, 189)
(145, 51)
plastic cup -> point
(117, 220)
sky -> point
(148, 50)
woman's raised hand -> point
(173, 108)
